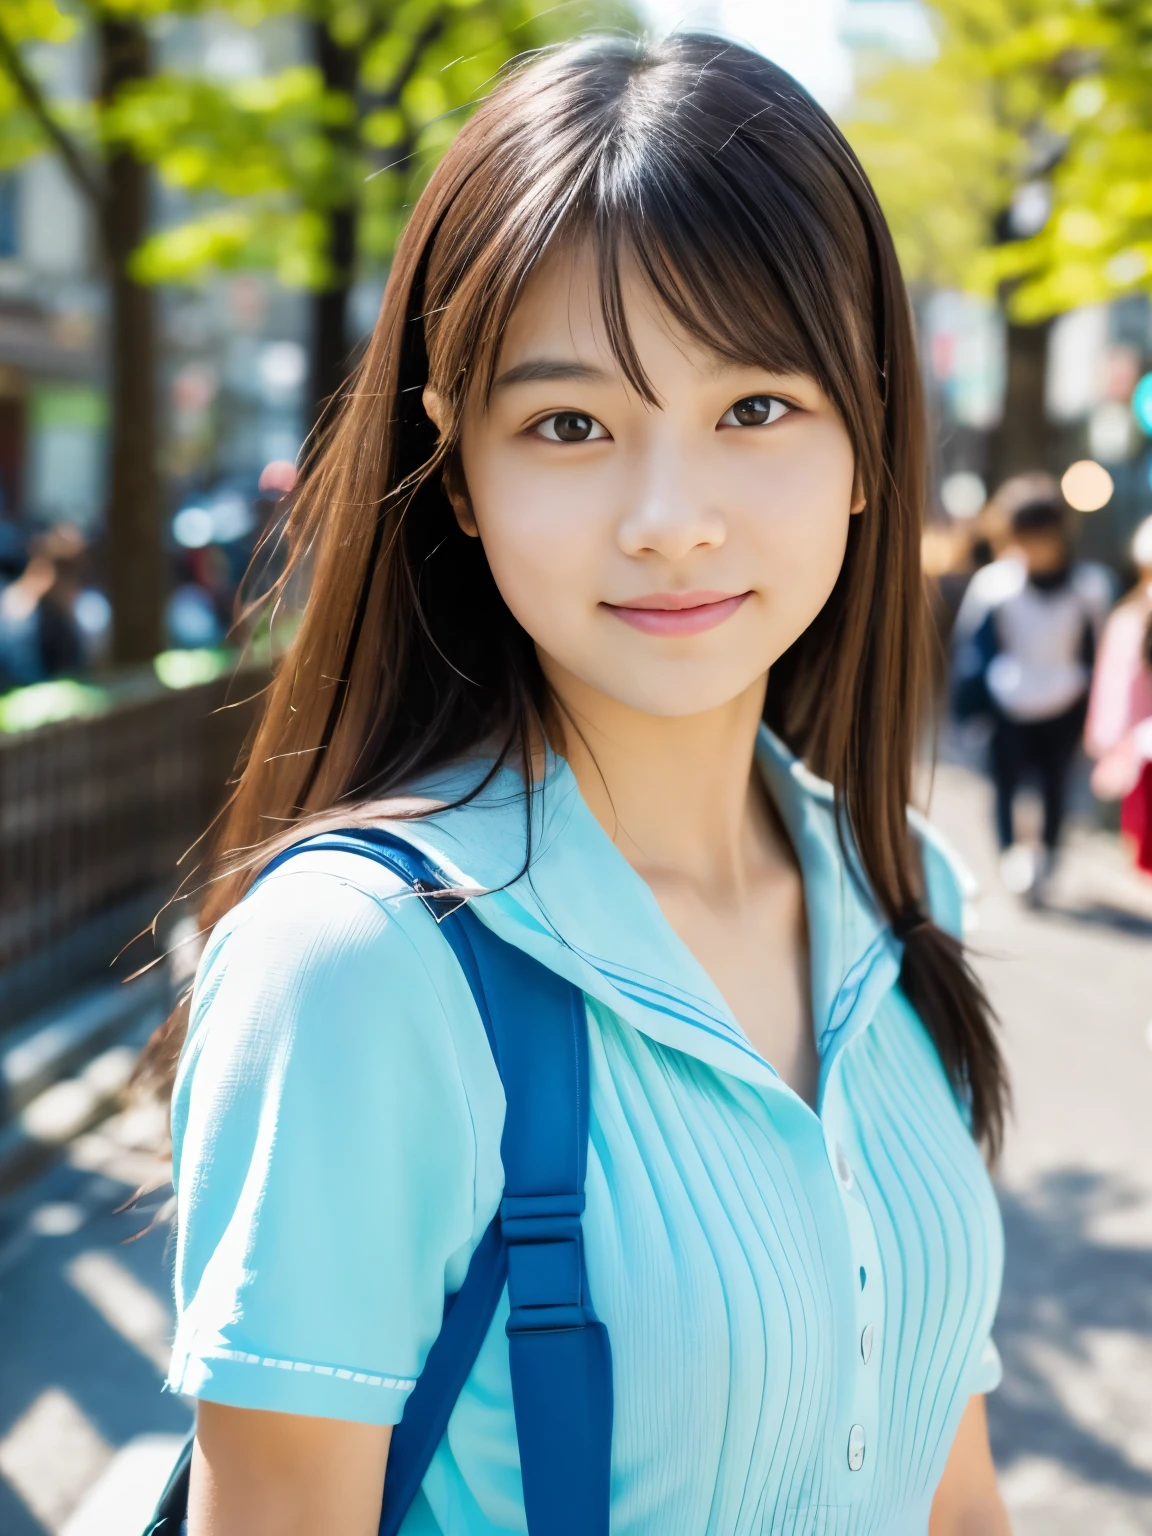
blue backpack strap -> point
(559, 1353)
(468, 1313)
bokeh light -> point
(963, 494)
(192, 527)
(280, 477)
(1142, 404)
(1087, 486)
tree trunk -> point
(340, 69)
(330, 345)
(136, 557)
(1023, 441)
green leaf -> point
(1019, 89)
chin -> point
(672, 697)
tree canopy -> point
(306, 171)
(1021, 154)
(265, 161)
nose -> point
(671, 511)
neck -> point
(677, 795)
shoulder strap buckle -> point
(545, 1243)
(438, 901)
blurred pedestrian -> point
(277, 485)
(1119, 730)
(41, 636)
(997, 561)
(947, 563)
(13, 550)
(1025, 645)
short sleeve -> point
(336, 1130)
(988, 1372)
(950, 885)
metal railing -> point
(95, 814)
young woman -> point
(615, 614)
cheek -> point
(542, 535)
(800, 526)
(551, 543)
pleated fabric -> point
(719, 1259)
(799, 1301)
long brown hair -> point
(758, 231)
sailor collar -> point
(570, 899)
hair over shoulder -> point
(753, 222)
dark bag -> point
(559, 1353)
(970, 662)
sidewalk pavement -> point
(86, 1434)
(1072, 1423)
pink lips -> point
(677, 613)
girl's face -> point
(664, 556)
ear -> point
(859, 500)
(436, 409)
(457, 493)
(454, 487)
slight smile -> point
(677, 613)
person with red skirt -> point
(1118, 733)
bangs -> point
(717, 296)
(733, 221)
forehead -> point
(559, 315)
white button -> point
(866, 1343)
(855, 1447)
(843, 1168)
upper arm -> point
(280, 1474)
(337, 1121)
(967, 1501)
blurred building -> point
(234, 367)
(1095, 406)
(233, 371)
(52, 408)
(1096, 359)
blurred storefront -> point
(233, 369)
(233, 372)
(52, 414)
(1094, 406)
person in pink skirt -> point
(1118, 733)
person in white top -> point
(1025, 646)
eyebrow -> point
(548, 370)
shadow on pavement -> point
(1107, 915)
(56, 1340)
(1062, 1288)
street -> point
(86, 1433)
(1072, 1423)
(85, 1325)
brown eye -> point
(754, 411)
(570, 427)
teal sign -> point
(1142, 404)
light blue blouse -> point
(799, 1303)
